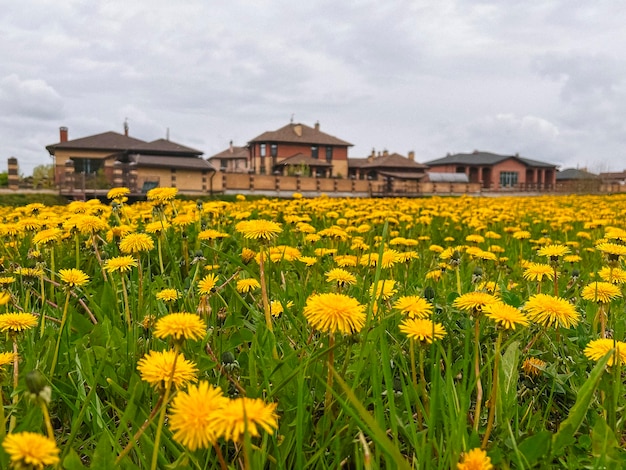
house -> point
(495, 171)
(613, 177)
(297, 149)
(577, 181)
(110, 159)
(232, 160)
(386, 165)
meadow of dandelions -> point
(466, 333)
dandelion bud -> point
(38, 386)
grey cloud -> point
(32, 98)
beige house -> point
(98, 162)
(232, 160)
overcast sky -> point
(542, 78)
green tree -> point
(4, 179)
(43, 176)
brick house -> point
(232, 160)
(297, 149)
(111, 159)
(386, 165)
(498, 172)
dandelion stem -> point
(13, 420)
(46, 418)
(266, 303)
(494, 391)
(56, 348)
(126, 306)
(141, 430)
(479, 386)
(329, 377)
(220, 457)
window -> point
(315, 151)
(508, 178)
(274, 150)
(329, 153)
(86, 165)
(263, 150)
(262, 168)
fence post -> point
(14, 177)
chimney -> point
(230, 148)
(63, 134)
(385, 153)
(297, 129)
(317, 126)
(126, 127)
(412, 155)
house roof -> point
(160, 161)
(120, 143)
(484, 158)
(302, 159)
(574, 174)
(300, 134)
(164, 146)
(402, 175)
(389, 161)
(232, 153)
(618, 175)
(436, 177)
(105, 141)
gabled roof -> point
(232, 153)
(300, 134)
(302, 159)
(484, 158)
(390, 161)
(403, 175)
(163, 146)
(575, 174)
(160, 161)
(105, 141)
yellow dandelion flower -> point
(246, 414)
(384, 288)
(136, 243)
(168, 295)
(180, 325)
(572, 258)
(474, 302)
(537, 272)
(612, 250)
(247, 255)
(17, 322)
(29, 272)
(161, 194)
(118, 193)
(551, 311)
(414, 306)
(346, 261)
(258, 229)
(434, 275)
(73, 277)
(120, 263)
(247, 285)
(521, 235)
(475, 459)
(47, 236)
(5, 298)
(211, 234)
(89, 224)
(194, 413)
(6, 358)
(553, 251)
(277, 308)
(422, 329)
(505, 316)
(331, 312)
(5, 280)
(29, 450)
(156, 368)
(157, 227)
(207, 284)
(341, 277)
(308, 260)
(599, 348)
(601, 292)
(614, 275)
